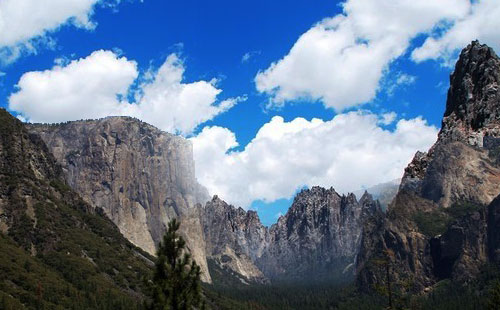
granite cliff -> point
(317, 239)
(139, 175)
(235, 239)
(142, 177)
(52, 239)
(439, 225)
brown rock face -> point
(463, 164)
(460, 172)
(140, 176)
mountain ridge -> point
(437, 226)
(52, 239)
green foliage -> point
(176, 281)
(58, 253)
(289, 296)
(493, 301)
(460, 210)
(431, 223)
(436, 222)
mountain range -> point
(84, 204)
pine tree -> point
(176, 281)
(494, 298)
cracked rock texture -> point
(461, 169)
(139, 175)
(142, 177)
(316, 240)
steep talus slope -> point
(139, 175)
(436, 226)
(55, 249)
(316, 240)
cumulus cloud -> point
(388, 118)
(482, 22)
(350, 151)
(24, 24)
(341, 60)
(98, 86)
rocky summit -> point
(442, 222)
(56, 250)
(142, 177)
(317, 239)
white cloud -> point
(405, 79)
(247, 56)
(98, 85)
(388, 118)
(349, 152)
(481, 22)
(341, 60)
(24, 24)
(398, 80)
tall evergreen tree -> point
(176, 281)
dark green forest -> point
(483, 293)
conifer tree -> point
(176, 280)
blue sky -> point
(251, 123)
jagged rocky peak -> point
(235, 238)
(460, 172)
(318, 237)
(318, 198)
(463, 163)
(472, 114)
(139, 175)
(473, 104)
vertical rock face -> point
(463, 164)
(140, 176)
(73, 242)
(235, 238)
(472, 105)
(461, 170)
(317, 238)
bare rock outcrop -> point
(437, 226)
(317, 239)
(319, 236)
(235, 238)
(139, 175)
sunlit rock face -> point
(461, 171)
(143, 177)
(139, 175)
